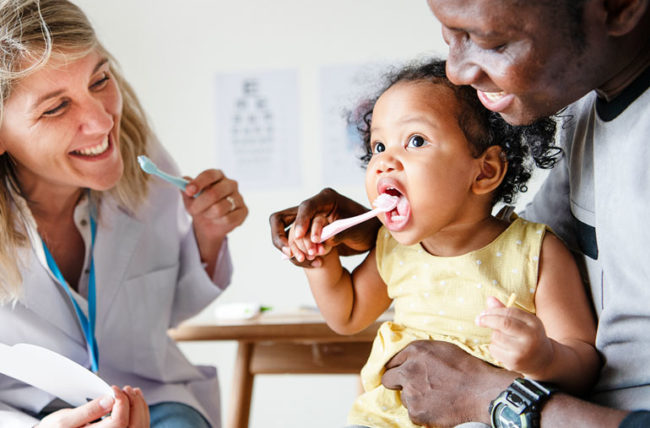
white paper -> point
(237, 310)
(258, 128)
(52, 372)
(342, 88)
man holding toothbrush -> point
(588, 61)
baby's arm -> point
(557, 345)
(349, 302)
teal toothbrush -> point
(149, 167)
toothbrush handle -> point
(346, 223)
(176, 181)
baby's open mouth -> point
(399, 215)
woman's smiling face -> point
(61, 126)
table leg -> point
(242, 388)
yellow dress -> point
(439, 298)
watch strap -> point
(524, 398)
(536, 393)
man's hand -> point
(442, 385)
(312, 215)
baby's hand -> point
(519, 340)
(304, 248)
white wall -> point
(170, 51)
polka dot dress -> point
(439, 298)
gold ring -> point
(232, 202)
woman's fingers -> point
(139, 410)
(203, 181)
(120, 412)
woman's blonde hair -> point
(32, 32)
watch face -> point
(504, 417)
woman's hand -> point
(216, 211)
(519, 340)
(312, 215)
(139, 409)
(127, 409)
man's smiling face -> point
(526, 59)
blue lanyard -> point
(87, 323)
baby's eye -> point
(416, 141)
(378, 147)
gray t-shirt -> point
(597, 199)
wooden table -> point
(296, 342)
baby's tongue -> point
(402, 208)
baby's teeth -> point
(398, 218)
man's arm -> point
(443, 385)
(566, 410)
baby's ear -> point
(493, 166)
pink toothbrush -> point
(382, 204)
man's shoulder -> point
(577, 111)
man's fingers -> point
(392, 379)
(398, 359)
(405, 400)
(279, 222)
(326, 203)
(307, 211)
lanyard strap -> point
(87, 323)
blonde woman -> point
(96, 260)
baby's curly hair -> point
(522, 145)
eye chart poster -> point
(258, 125)
(342, 89)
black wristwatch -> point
(520, 405)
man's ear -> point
(623, 16)
(493, 167)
